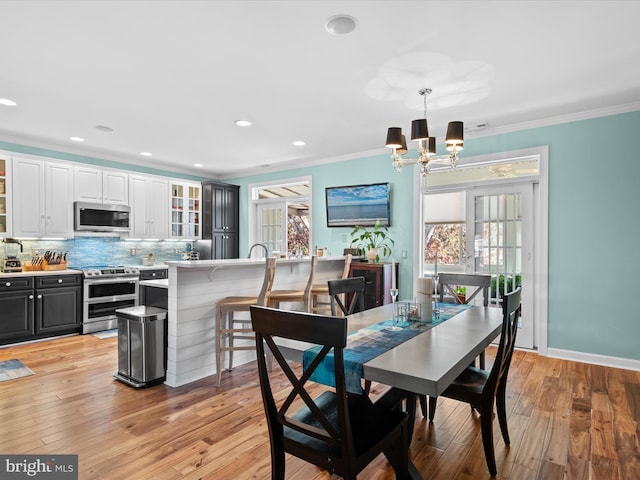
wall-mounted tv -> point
(358, 205)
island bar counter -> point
(193, 292)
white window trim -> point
(252, 214)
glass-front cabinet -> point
(185, 210)
(5, 197)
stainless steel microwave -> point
(99, 217)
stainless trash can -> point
(141, 345)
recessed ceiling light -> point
(198, 165)
(104, 128)
(146, 154)
(77, 139)
(7, 102)
(299, 143)
(341, 24)
(243, 123)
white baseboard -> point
(593, 358)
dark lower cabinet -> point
(16, 309)
(377, 279)
(225, 245)
(39, 306)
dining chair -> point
(230, 328)
(291, 296)
(336, 431)
(347, 295)
(319, 290)
(449, 281)
(481, 389)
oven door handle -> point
(111, 280)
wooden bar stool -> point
(304, 296)
(229, 328)
(322, 289)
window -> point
(446, 240)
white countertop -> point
(242, 262)
(39, 273)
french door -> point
(500, 241)
(272, 226)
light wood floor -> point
(566, 420)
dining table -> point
(426, 363)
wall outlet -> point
(344, 238)
(133, 251)
(404, 254)
(176, 251)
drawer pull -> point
(8, 284)
(59, 280)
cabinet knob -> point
(30, 297)
(59, 280)
(153, 274)
(8, 284)
(39, 297)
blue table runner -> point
(367, 343)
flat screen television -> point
(358, 205)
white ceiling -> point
(171, 77)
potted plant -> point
(461, 293)
(373, 240)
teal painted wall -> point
(594, 227)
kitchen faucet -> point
(266, 250)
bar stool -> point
(226, 329)
(278, 296)
(322, 289)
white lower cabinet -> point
(149, 201)
(43, 198)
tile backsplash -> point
(85, 251)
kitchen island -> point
(194, 288)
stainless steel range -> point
(105, 290)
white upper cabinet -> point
(149, 201)
(97, 185)
(185, 210)
(43, 198)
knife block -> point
(56, 266)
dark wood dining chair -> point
(449, 281)
(482, 389)
(230, 328)
(336, 431)
(347, 295)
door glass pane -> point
(498, 241)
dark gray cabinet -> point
(16, 309)
(220, 218)
(58, 304)
(154, 274)
(39, 306)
